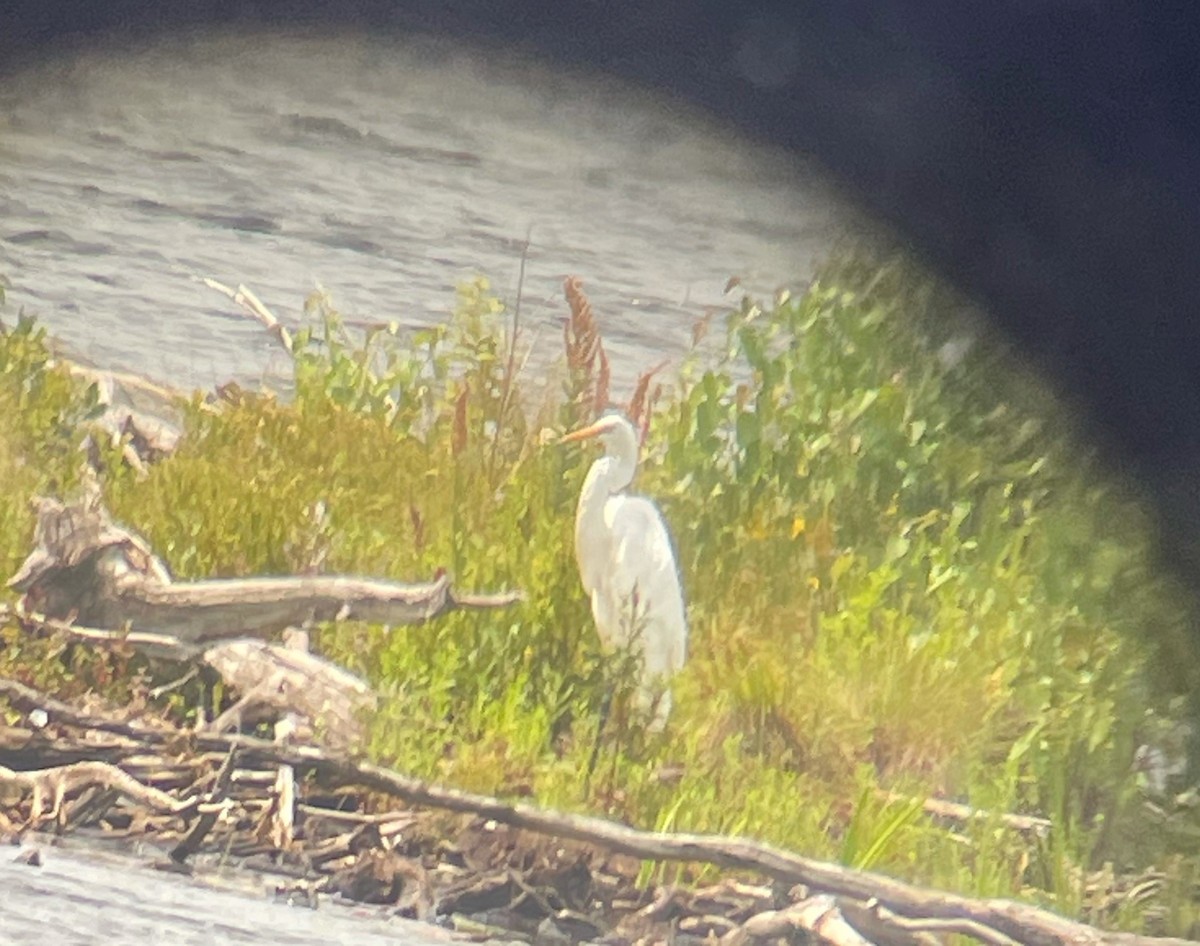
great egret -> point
(627, 563)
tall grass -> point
(905, 574)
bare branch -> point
(938, 808)
(252, 304)
(62, 780)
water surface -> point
(386, 171)
(86, 893)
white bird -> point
(627, 564)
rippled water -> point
(84, 894)
(387, 172)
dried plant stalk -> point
(458, 441)
(600, 397)
(587, 364)
(641, 405)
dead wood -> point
(155, 645)
(330, 699)
(826, 902)
(881, 925)
(60, 781)
(273, 679)
(27, 700)
(953, 811)
(23, 749)
(375, 877)
(1024, 923)
(141, 393)
(85, 569)
(254, 306)
(140, 417)
(818, 916)
(204, 824)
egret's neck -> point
(609, 475)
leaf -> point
(900, 817)
(897, 548)
(868, 398)
(840, 566)
(941, 578)
(1100, 732)
(748, 428)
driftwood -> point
(139, 417)
(273, 679)
(87, 570)
(255, 307)
(60, 781)
(954, 811)
(96, 580)
(819, 916)
(489, 875)
(1019, 921)
(280, 680)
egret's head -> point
(613, 430)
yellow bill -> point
(583, 433)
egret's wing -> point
(643, 589)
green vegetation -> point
(904, 576)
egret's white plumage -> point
(627, 563)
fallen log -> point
(828, 902)
(87, 570)
(901, 907)
(1018, 921)
(282, 680)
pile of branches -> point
(355, 831)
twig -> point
(252, 706)
(1029, 824)
(383, 820)
(204, 824)
(499, 600)
(162, 644)
(160, 691)
(819, 916)
(869, 916)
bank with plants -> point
(910, 582)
